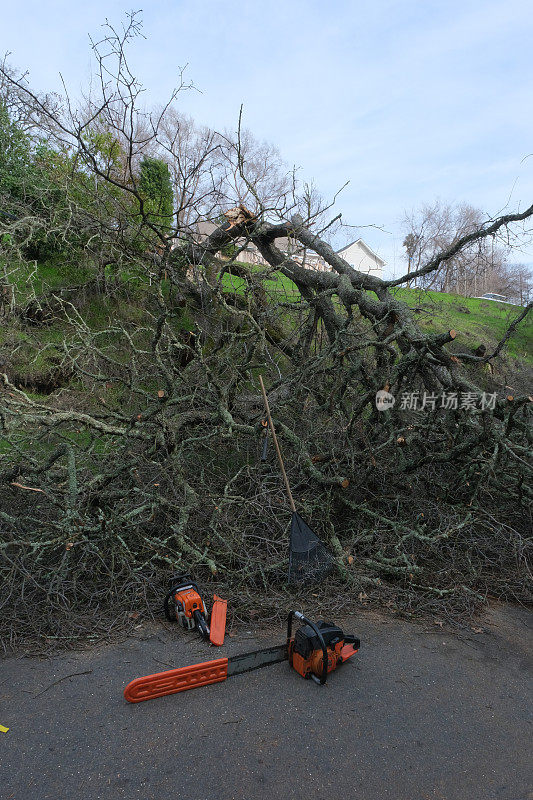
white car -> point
(500, 298)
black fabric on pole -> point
(308, 557)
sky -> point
(408, 100)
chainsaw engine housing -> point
(306, 652)
(184, 603)
(318, 648)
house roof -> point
(364, 246)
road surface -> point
(416, 715)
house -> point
(249, 253)
(358, 254)
(362, 258)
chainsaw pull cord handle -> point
(299, 616)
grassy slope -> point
(32, 350)
(476, 321)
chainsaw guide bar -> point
(179, 680)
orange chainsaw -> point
(185, 604)
(314, 651)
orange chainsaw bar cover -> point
(217, 624)
(176, 680)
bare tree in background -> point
(475, 269)
(515, 281)
(27, 116)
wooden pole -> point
(278, 451)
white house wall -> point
(357, 254)
(362, 260)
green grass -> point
(87, 440)
(30, 279)
(34, 350)
(476, 321)
(278, 287)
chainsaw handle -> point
(299, 616)
(166, 607)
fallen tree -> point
(149, 463)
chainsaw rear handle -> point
(299, 616)
(168, 615)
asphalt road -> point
(414, 716)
